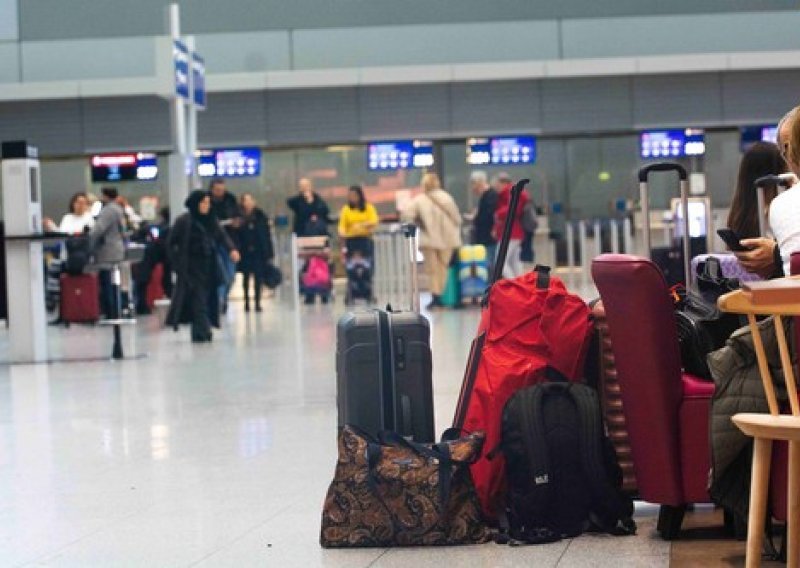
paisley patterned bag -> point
(393, 492)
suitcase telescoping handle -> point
(502, 249)
(645, 199)
(410, 232)
(782, 180)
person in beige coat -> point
(436, 214)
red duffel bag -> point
(530, 323)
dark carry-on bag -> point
(702, 328)
(384, 369)
(563, 475)
(388, 491)
(79, 254)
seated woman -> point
(761, 159)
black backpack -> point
(562, 471)
(79, 254)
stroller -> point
(359, 278)
(315, 279)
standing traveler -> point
(192, 245)
(357, 221)
(107, 242)
(311, 214)
(255, 247)
(484, 215)
(78, 220)
(513, 266)
(225, 209)
(436, 214)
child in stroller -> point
(359, 277)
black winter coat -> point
(255, 243)
(304, 211)
(192, 249)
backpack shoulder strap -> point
(533, 435)
(609, 507)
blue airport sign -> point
(180, 58)
(199, 81)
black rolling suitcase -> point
(384, 367)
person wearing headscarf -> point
(192, 246)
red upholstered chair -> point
(667, 412)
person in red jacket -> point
(513, 266)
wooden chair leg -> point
(670, 520)
(762, 453)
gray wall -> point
(90, 39)
(440, 110)
(51, 19)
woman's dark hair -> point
(761, 159)
(362, 201)
(75, 197)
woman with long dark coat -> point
(192, 249)
(255, 245)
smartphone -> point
(731, 239)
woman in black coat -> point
(192, 246)
(255, 244)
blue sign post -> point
(180, 58)
(199, 81)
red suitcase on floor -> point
(80, 298)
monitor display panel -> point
(749, 135)
(400, 155)
(501, 150)
(229, 162)
(665, 144)
(141, 166)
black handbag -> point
(272, 276)
(702, 328)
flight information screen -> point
(141, 166)
(672, 143)
(400, 154)
(749, 135)
(501, 150)
(229, 162)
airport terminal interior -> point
(224, 227)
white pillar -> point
(22, 212)
(176, 161)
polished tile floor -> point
(215, 455)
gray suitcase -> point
(384, 367)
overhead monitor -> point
(665, 144)
(400, 154)
(141, 166)
(229, 162)
(501, 150)
(759, 133)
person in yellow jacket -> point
(357, 221)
